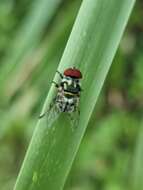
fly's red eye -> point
(73, 72)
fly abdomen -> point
(68, 94)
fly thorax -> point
(70, 84)
(67, 81)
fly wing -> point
(51, 111)
(74, 119)
(75, 114)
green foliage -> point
(110, 156)
(56, 139)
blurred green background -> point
(31, 45)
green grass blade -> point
(91, 47)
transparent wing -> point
(74, 119)
(52, 112)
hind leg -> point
(47, 111)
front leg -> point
(60, 74)
(56, 84)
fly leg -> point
(56, 85)
(42, 115)
(60, 74)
